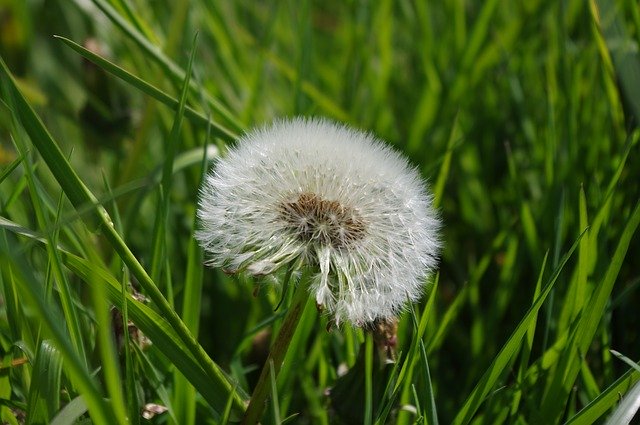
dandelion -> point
(313, 193)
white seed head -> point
(312, 192)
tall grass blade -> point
(70, 413)
(108, 355)
(185, 396)
(159, 243)
(627, 409)
(138, 83)
(626, 359)
(556, 397)
(169, 67)
(45, 389)
(80, 196)
(32, 294)
(497, 367)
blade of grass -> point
(80, 196)
(627, 408)
(583, 258)
(316, 402)
(130, 377)
(416, 402)
(185, 396)
(133, 405)
(531, 234)
(126, 8)
(62, 283)
(626, 359)
(155, 378)
(605, 208)
(70, 413)
(15, 319)
(43, 400)
(556, 397)
(600, 297)
(9, 168)
(19, 188)
(556, 377)
(559, 230)
(613, 36)
(390, 395)
(278, 351)
(404, 383)
(106, 347)
(607, 399)
(158, 330)
(455, 307)
(525, 352)
(159, 242)
(291, 367)
(32, 294)
(496, 369)
(438, 188)
(431, 413)
(169, 67)
(217, 129)
(590, 385)
(577, 293)
(227, 410)
(275, 405)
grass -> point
(523, 117)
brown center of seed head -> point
(314, 219)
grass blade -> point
(626, 359)
(528, 345)
(157, 329)
(496, 369)
(80, 196)
(607, 399)
(32, 294)
(159, 243)
(556, 397)
(44, 392)
(438, 187)
(431, 413)
(106, 347)
(168, 66)
(217, 129)
(627, 408)
(70, 413)
(185, 396)
(598, 301)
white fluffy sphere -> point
(321, 195)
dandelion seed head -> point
(313, 192)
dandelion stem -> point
(277, 353)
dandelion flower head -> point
(313, 193)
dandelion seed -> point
(312, 193)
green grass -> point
(524, 117)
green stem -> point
(277, 353)
(368, 382)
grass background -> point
(522, 116)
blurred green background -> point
(509, 109)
